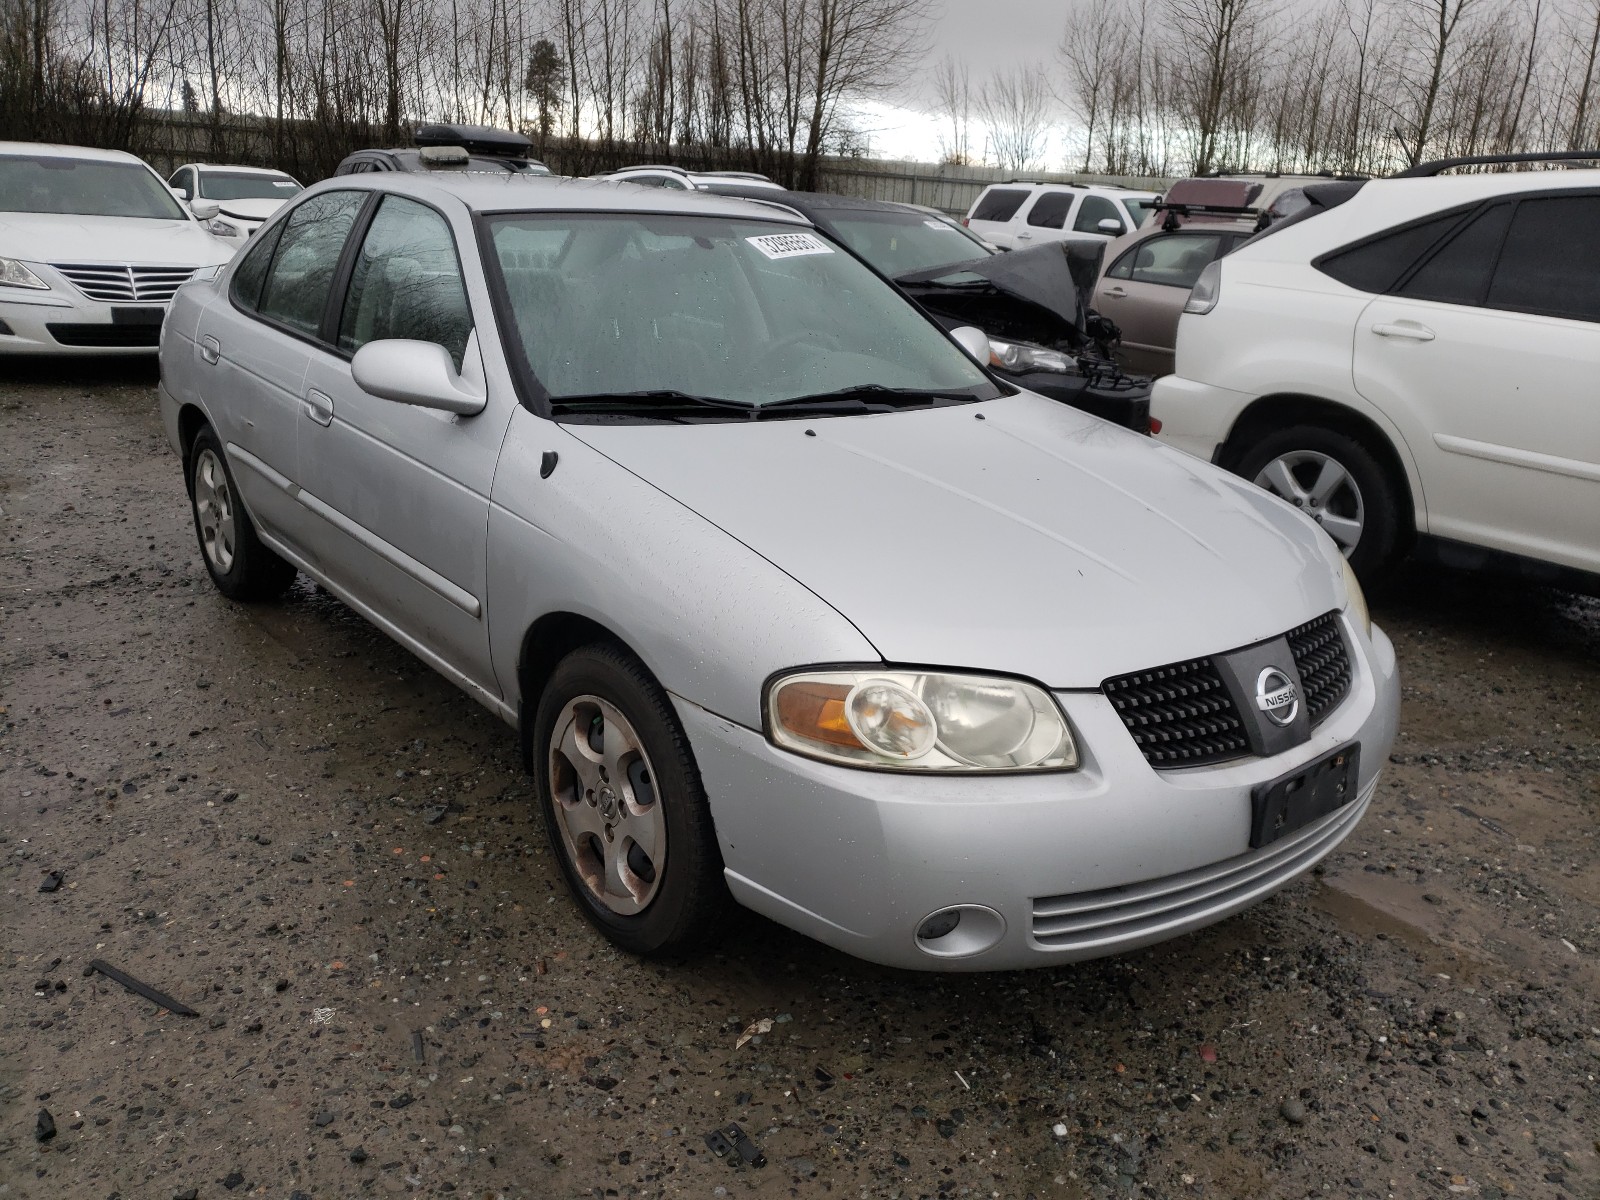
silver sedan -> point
(790, 602)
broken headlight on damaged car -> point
(1023, 356)
(919, 721)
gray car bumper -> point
(1054, 868)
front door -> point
(400, 493)
(1145, 289)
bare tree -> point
(952, 94)
(1015, 106)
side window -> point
(251, 273)
(998, 204)
(1050, 210)
(184, 182)
(1376, 265)
(1094, 210)
(1551, 259)
(1174, 261)
(1123, 267)
(407, 282)
(297, 286)
(1458, 272)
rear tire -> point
(617, 785)
(240, 566)
(1339, 483)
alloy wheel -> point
(604, 794)
(213, 505)
(1322, 488)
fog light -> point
(941, 923)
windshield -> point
(84, 187)
(902, 243)
(746, 311)
(1139, 210)
(243, 185)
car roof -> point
(1119, 189)
(511, 192)
(819, 202)
(53, 150)
(1383, 204)
(238, 170)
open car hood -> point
(1036, 295)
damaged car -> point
(1033, 303)
(790, 601)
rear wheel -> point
(623, 805)
(240, 566)
(1335, 480)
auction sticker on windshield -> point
(789, 245)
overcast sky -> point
(989, 35)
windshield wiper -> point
(659, 400)
(864, 397)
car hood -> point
(256, 209)
(46, 237)
(1040, 294)
(1035, 541)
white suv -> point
(1016, 215)
(1418, 363)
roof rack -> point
(1042, 183)
(1228, 173)
(1427, 169)
(755, 176)
(1180, 209)
(668, 167)
(475, 139)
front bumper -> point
(1195, 417)
(56, 323)
(1053, 868)
(1124, 401)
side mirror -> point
(179, 193)
(1112, 226)
(204, 210)
(419, 373)
(974, 341)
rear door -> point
(1145, 288)
(992, 216)
(399, 493)
(1047, 218)
(1487, 355)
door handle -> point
(1414, 333)
(1114, 291)
(319, 407)
(1024, 237)
(210, 350)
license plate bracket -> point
(1301, 797)
(143, 315)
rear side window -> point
(1096, 209)
(998, 204)
(1376, 265)
(1550, 263)
(1050, 210)
(297, 286)
(1173, 261)
(1458, 272)
(407, 282)
(251, 272)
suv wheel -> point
(623, 805)
(1336, 481)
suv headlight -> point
(15, 274)
(1022, 356)
(895, 720)
(1207, 289)
(223, 229)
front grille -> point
(1323, 661)
(118, 282)
(1180, 715)
(1122, 918)
(131, 336)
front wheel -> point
(623, 805)
(1336, 481)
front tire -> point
(1335, 480)
(623, 805)
(240, 566)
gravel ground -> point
(281, 819)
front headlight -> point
(924, 721)
(15, 274)
(1020, 356)
(223, 229)
(1355, 599)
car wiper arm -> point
(866, 397)
(659, 398)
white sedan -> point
(92, 247)
(232, 202)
